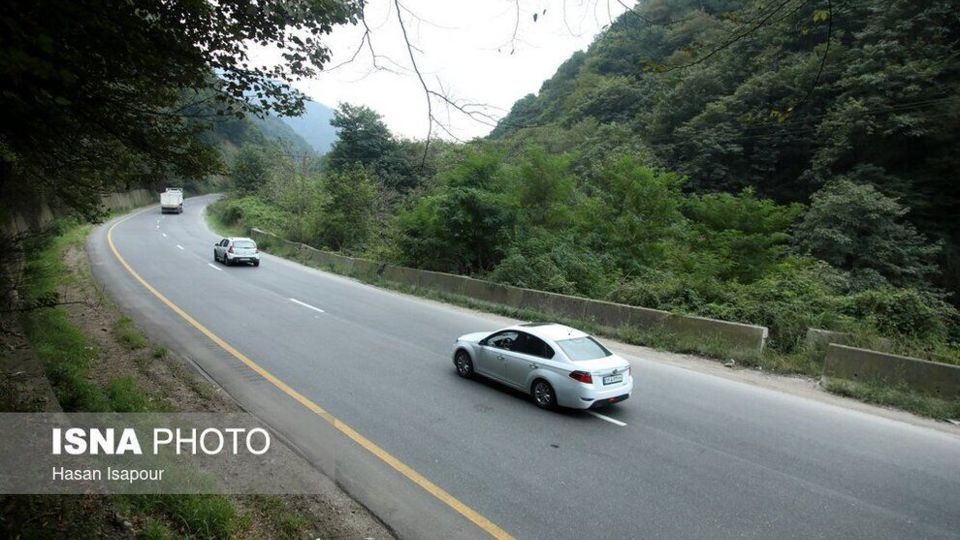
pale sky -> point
(459, 40)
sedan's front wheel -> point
(543, 395)
(464, 364)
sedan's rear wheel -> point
(464, 364)
(543, 395)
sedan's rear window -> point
(245, 244)
(583, 348)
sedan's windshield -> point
(583, 348)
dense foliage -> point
(100, 93)
(787, 164)
(866, 91)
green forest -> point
(785, 163)
(789, 164)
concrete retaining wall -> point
(38, 217)
(864, 365)
(747, 337)
(117, 202)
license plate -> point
(612, 379)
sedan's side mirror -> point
(482, 342)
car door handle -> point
(499, 357)
(533, 366)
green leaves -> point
(363, 139)
(99, 95)
(855, 227)
(348, 201)
(251, 169)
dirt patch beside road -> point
(130, 373)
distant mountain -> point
(277, 130)
(314, 126)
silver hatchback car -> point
(556, 364)
(236, 251)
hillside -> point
(309, 133)
(314, 126)
(700, 158)
(779, 109)
(275, 129)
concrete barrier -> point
(401, 275)
(743, 336)
(259, 235)
(611, 314)
(820, 339)
(366, 269)
(537, 301)
(488, 291)
(863, 365)
(340, 262)
(570, 306)
(447, 283)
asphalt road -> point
(697, 456)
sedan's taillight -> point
(582, 376)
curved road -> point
(689, 456)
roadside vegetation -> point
(119, 370)
(627, 233)
(806, 361)
(793, 179)
(897, 396)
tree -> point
(346, 210)
(96, 90)
(747, 235)
(635, 215)
(465, 224)
(780, 97)
(465, 230)
(545, 190)
(857, 228)
(363, 138)
(251, 169)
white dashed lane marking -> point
(607, 418)
(306, 305)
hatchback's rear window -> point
(245, 244)
(583, 348)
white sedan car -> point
(231, 251)
(556, 364)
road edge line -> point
(472, 515)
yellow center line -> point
(404, 469)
